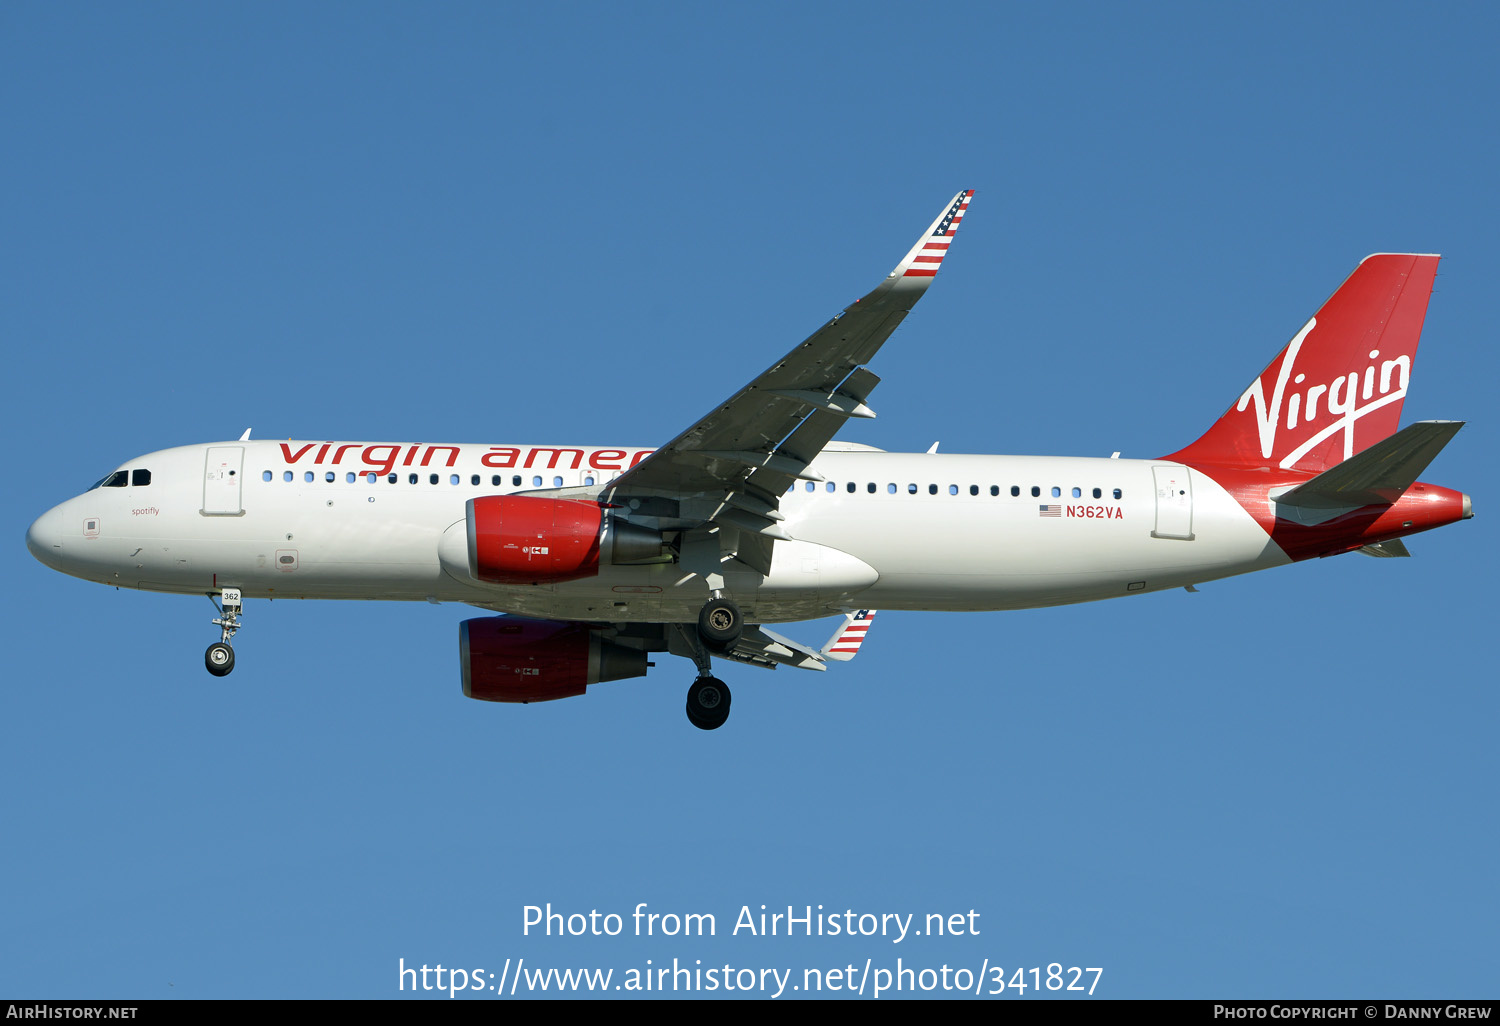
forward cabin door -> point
(221, 481)
(1174, 503)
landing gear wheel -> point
(720, 624)
(219, 659)
(708, 703)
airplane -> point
(597, 557)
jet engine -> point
(524, 539)
(513, 659)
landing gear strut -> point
(220, 657)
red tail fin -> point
(1338, 385)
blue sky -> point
(588, 223)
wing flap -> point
(761, 647)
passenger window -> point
(1015, 490)
(870, 487)
(411, 479)
(973, 489)
(911, 489)
(495, 481)
(1035, 492)
(432, 479)
(831, 487)
(329, 477)
(1098, 494)
(393, 478)
(1077, 493)
(891, 488)
(953, 489)
(995, 490)
(453, 479)
(850, 488)
(515, 482)
(932, 489)
(371, 477)
(810, 486)
(265, 475)
(308, 476)
(557, 482)
(1119, 494)
(589, 479)
(349, 477)
(287, 476)
(536, 481)
(474, 480)
(1056, 491)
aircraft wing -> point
(732, 467)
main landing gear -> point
(720, 624)
(719, 627)
(220, 657)
(708, 703)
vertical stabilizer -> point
(1337, 387)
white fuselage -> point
(882, 530)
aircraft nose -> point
(45, 537)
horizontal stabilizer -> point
(1386, 549)
(1379, 474)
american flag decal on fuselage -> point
(936, 246)
(1049, 511)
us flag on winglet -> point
(936, 246)
(1049, 511)
(854, 633)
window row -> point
(143, 477)
(496, 480)
(953, 489)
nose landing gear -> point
(220, 657)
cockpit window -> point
(140, 477)
(119, 479)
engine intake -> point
(513, 659)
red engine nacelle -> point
(531, 539)
(521, 539)
(511, 659)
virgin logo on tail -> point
(1337, 387)
(1338, 397)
